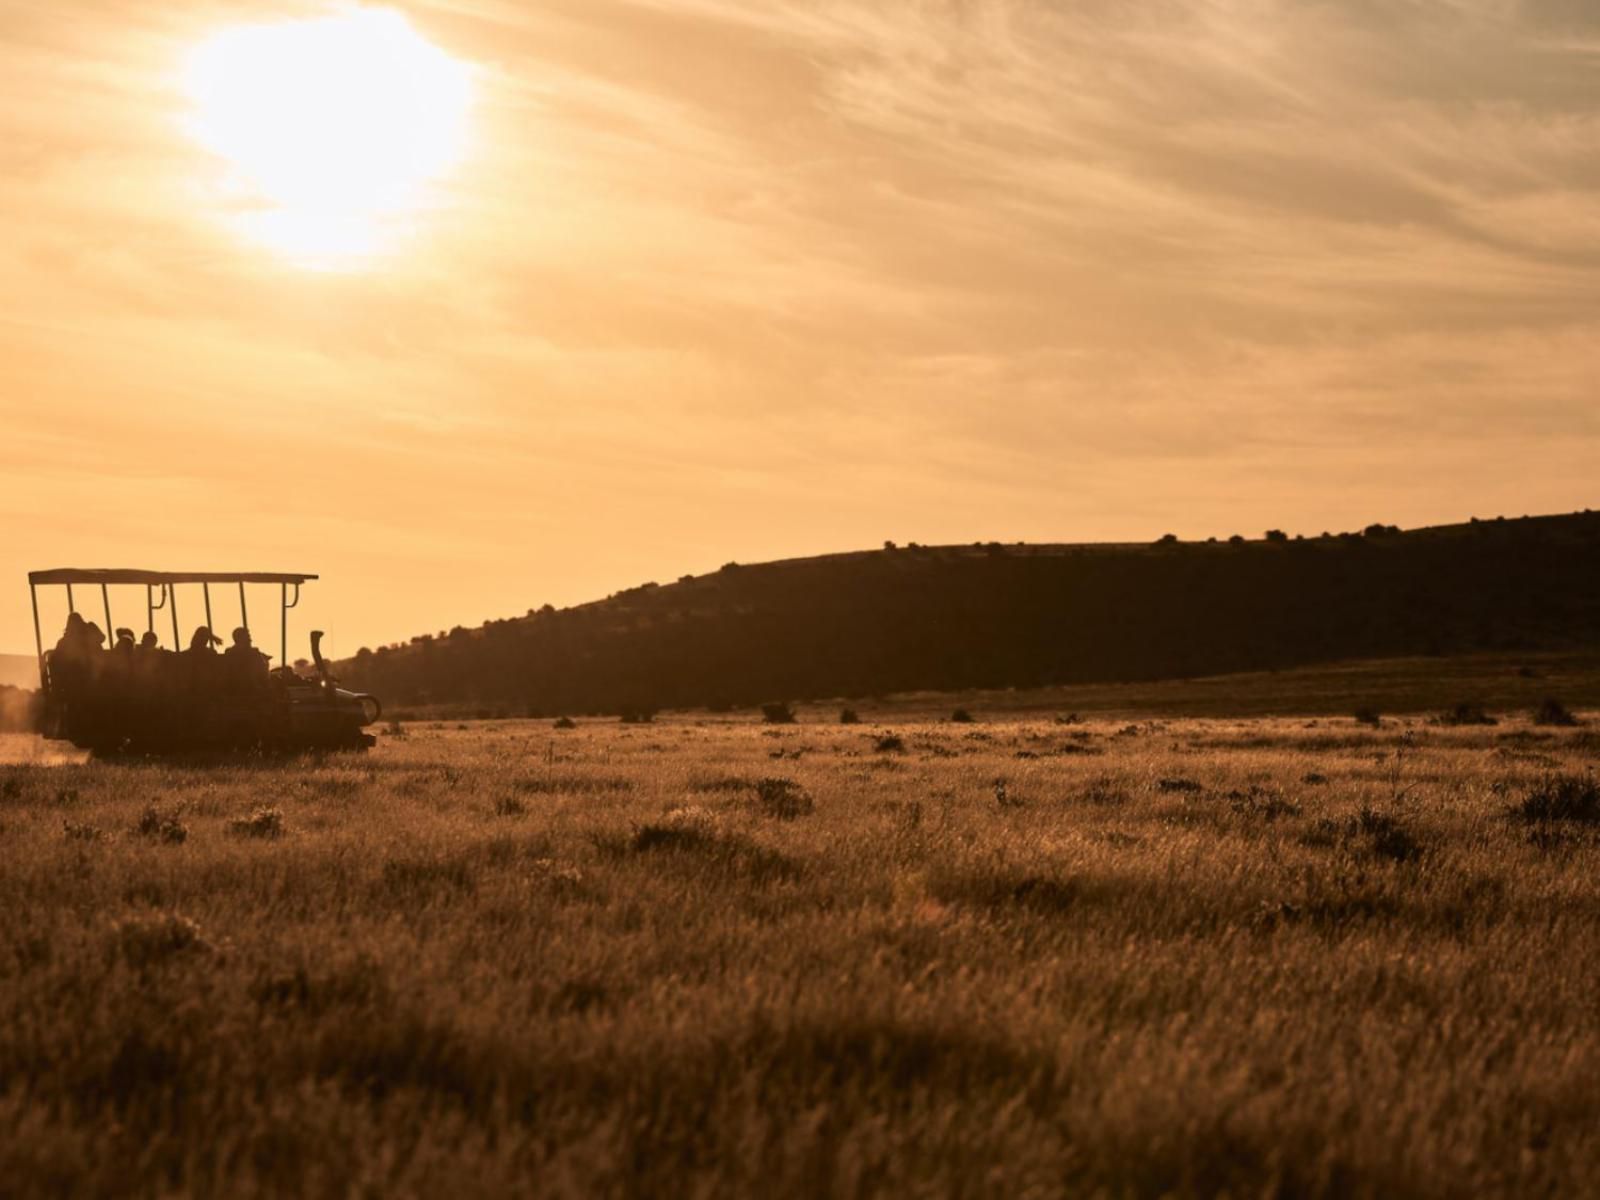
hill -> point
(19, 670)
(996, 616)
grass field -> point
(1255, 956)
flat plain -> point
(706, 956)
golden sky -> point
(722, 279)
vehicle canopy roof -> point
(106, 575)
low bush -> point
(1561, 798)
(1552, 712)
(849, 716)
(783, 798)
(778, 714)
(961, 717)
(1465, 713)
(161, 827)
(262, 823)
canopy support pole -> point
(38, 638)
(71, 607)
(172, 601)
(244, 613)
(105, 601)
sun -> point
(335, 130)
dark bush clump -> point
(1465, 713)
(890, 743)
(961, 717)
(1386, 837)
(565, 723)
(778, 714)
(783, 798)
(1552, 712)
(161, 827)
(637, 716)
(849, 716)
(1368, 716)
(1561, 798)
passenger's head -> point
(74, 622)
(149, 641)
(203, 639)
(241, 636)
(95, 633)
(124, 637)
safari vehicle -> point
(149, 699)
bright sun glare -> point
(334, 128)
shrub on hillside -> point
(961, 717)
(1367, 716)
(849, 716)
(778, 714)
(1465, 713)
(1552, 712)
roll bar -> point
(105, 578)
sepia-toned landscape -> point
(1025, 955)
(799, 599)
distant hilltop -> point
(19, 670)
(993, 615)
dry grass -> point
(1264, 957)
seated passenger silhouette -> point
(247, 666)
(69, 660)
(201, 665)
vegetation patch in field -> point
(360, 984)
(1261, 803)
(157, 826)
(151, 939)
(1005, 889)
(783, 798)
(1552, 712)
(1573, 798)
(695, 836)
(265, 823)
(423, 878)
(1465, 713)
(80, 831)
(575, 783)
(1370, 831)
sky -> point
(713, 280)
